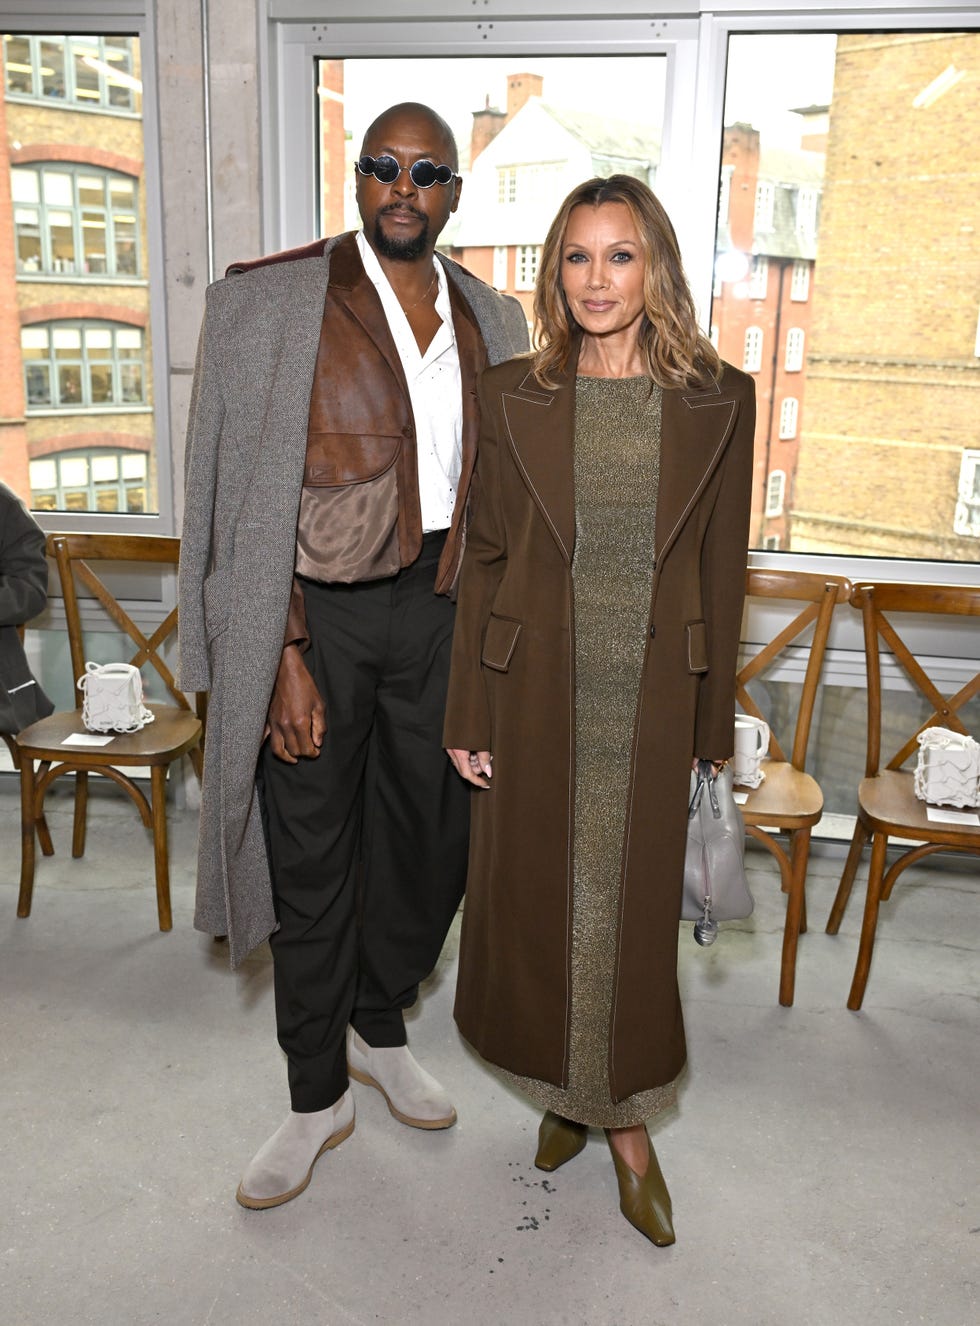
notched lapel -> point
(696, 426)
(540, 427)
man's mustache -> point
(402, 207)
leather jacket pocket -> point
(336, 460)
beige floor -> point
(823, 1164)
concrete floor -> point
(823, 1164)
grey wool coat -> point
(246, 448)
(512, 692)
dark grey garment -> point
(23, 594)
(617, 472)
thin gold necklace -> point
(407, 308)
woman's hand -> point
(473, 765)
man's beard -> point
(401, 249)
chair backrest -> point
(880, 605)
(818, 594)
(74, 555)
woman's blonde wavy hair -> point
(677, 354)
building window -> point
(90, 481)
(93, 73)
(759, 278)
(770, 542)
(752, 353)
(967, 519)
(79, 365)
(775, 489)
(794, 349)
(789, 413)
(765, 201)
(506, 184)
(799, 289)
(500, 266)
(806, 211)
(528, 256)
(75, 221)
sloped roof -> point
(614, 143)
(785, 165)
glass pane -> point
(134, 465)
(53, 68)
(546, 124)
(135, 500)
(17, 61)
(73, 219)
(74, 471)
(107, 499)
(105, 468)
(843, 167)
(43, 474)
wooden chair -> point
(789, 800)
(43, 835)
(887, 805)
(175, 731)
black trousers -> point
(368, 842)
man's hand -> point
(473, 765)
(297, 718)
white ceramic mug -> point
(751, 745)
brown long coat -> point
(512, 692)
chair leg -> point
(158, 785)
(81, 813)
(43, 832)
(879, 846)
(27, 831)
(795, 915)
(847, 878)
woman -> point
(594, 658)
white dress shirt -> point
(436, 391)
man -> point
(333, 435)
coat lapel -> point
(695, 426)
(541, 432)
(350, 286)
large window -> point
(845, 169)
(72, 366)
(90, 481)
(75, 221)
(88, 73)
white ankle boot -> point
(283, 1167)
(413, 1095)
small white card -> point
(740, 798)
(86, 739)
(946, 815)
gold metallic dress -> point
(617, 474)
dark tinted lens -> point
(424, 174)
(386, 169)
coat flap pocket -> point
(697, 646)
(500, 642)
(334, 460)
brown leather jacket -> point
(360, 517)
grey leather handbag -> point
(715, 887)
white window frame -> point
(967, 516)
(135, 18)
(799, 286)
(696, 45)
(526, 262)
(806, 210)
(795, 350)
(759, 277)
(789, 418)
(765, 207)
(775, 492)
(752, 348)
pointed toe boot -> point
(559, 1140)
(644, 1199)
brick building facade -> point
(889, 461)
(76, 389)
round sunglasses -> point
(423, 174)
